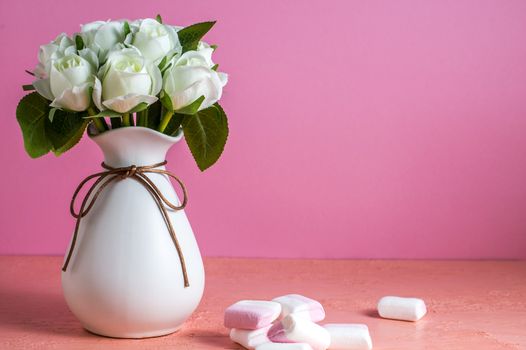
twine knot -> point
(137, 173)
(131, 170)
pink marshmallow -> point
(301, 306)
(251, 314)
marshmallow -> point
(349, 336)
(250, 339)
(251, 314)
(284, 346)
(296, 329)
(302, 306)
(397, 308)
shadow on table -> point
(38, 312)
(33, 312)
(371, 313)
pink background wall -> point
(364, 129)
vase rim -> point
(92, 133)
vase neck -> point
(134, 146)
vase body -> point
(124, 278)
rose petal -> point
(43, 88)
(123, 104)
(97, 94)
(75, 99)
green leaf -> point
(174, 124)
(158, 18)
(215, 66)
(105, 113)
(48, 129)
(206, 133)
(162, 63)
(166, 67)
(126, 28)
(79, 43)
(213, 47)
(32, 113)
(65, 130)
(190, 36)
(28, 87)
(192, 108)
(166, 101)
(140, 107)
(166, 62)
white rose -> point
(190, 77)
(155, 40)
(127, 80)
(70, 78)
(56, 49)
(203, 45)
(101, 36)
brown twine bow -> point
(137, 173)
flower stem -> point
(99, 123)
(126, 119)
(146, 116)
(165, 120)
(142, 118)
(116, 122)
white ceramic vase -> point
(124, 278)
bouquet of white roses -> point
(126, 73)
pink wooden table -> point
(472, 305)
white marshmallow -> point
(301, 306)
(250, 338)
(349, 336)
(397, 308)
(296, 329)
(284, 346)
